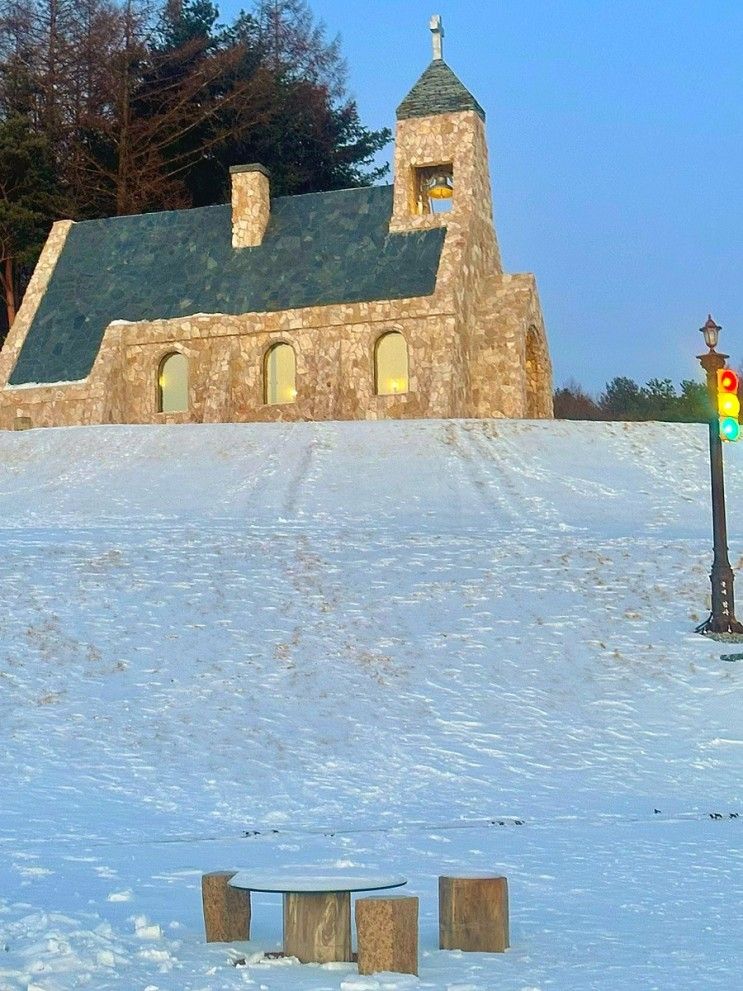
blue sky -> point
(616, 148)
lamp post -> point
(722, 619)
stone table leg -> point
(317, 927)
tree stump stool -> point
(226, 909)
(473, 914)
(317, 926)
(387, 930)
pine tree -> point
(29, 202)
(623, 399)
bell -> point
(440, 187)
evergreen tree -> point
(305, 131)
(694, 402)
(623, 399)
(29, 202)
(661, 401)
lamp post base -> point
(722, 627)
(722, 617)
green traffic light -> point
(729, 428)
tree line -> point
(623, 399)
(111, 107)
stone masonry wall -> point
(509, 323)
(495, 314)
(334, 347)
(334, 370)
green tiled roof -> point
(438, 91)
(318, 249)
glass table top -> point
(287, 882)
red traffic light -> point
(727, 380)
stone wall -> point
(334, 369)
(508, 324)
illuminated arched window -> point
(391, 365)
(280, 375)
(172, 384)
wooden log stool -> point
(226, 909)
(387, 931)
(473, 914)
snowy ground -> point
(371, 644)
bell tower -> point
(442, 178)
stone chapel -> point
(368, 303)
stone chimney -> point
(251, 204)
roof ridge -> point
(328, 192)
(220, 206)
(149, 213)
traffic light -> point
(728, 405)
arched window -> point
(172, 384)
(391, 364)
(280, 375)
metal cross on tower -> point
(437, 30)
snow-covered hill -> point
(369, 644)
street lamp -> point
(711, 332)
(722, 618)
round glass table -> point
(317, 908)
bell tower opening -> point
(434, 189)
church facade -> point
(370, 303)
